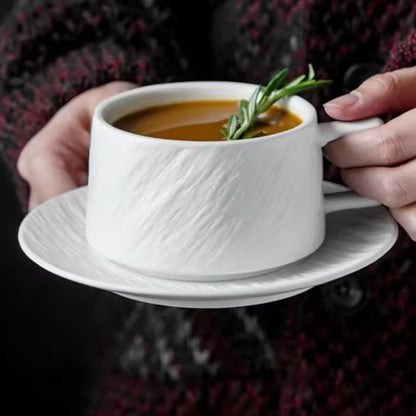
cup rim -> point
(110, 102)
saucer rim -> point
(204, 289)
(213, 302)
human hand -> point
(55, 160)
(380, 163)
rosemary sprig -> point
(263, 97)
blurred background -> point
(50, 328)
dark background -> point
(52, 331)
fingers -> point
(47, 176)
(81, 108)
(53, 182)
(392, 186)
(389, 92)
(389, 144)
(406, 217)
(92, 97)
(55, 160)
(380, 163)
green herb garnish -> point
(239, 125)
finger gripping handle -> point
(336, 129)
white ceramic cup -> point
(194, 210)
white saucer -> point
(194, 302)
(53, 236)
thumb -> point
(381, 93)
(93, 96)
(83, 105)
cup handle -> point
(335, 129)
(327, 132)
(340, 201)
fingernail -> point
(343, 101)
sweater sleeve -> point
(52, 52)
(403, 53)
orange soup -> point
(201, 121)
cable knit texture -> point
(343, 349)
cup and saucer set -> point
(207, 224)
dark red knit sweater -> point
(326, 352)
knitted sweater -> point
(343, 349)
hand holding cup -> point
(380, 163)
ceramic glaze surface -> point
(206, 208)
(53, 235)
(191, 210)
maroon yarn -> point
(304, 356)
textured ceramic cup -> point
(208, 210)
